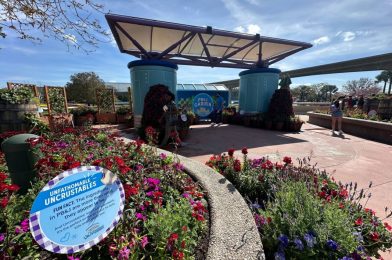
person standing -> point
(219, 105)
(171, 118)
(337, 115)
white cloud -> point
(253, 29)
(239, 29)
(348, 36)
(321, 40)
(250, 28)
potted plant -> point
(122, 114)
(84, 115)
(14, 103)
(295, 124)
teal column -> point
(146, 73)
(256, 89)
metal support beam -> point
(173, 46)
(136, 43)
(205, 48)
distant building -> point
(118, 86)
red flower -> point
(3, 176)
(359, 222)
(237, 165)
(341, 205)
(4, 202)
(343, 193)
(387, 226)
(130, 191)
(173, 237)
(322, 194)
(231, 152)
(244, 150)
(183, 244)
(177, 254)
(287, 160)
(374, 236)
(185, 228)
(269, 219)
(13, 187)
(367, 210)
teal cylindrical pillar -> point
(256, 89)
(20, 160)
(146, 73)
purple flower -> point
(61, 144)
(140, 216)
(152, 182)
(71, 257)
(284, 240)
(123, 254)
(138, 167)
(163, 156)
(2, 237)
(280, 255)
(346, 258)
(310, 239)
(185, 195)
(260, 220)
(90, 156)
(144, 241)
(255, 205)
(179, 166)
(332, 244)
(25, 225)
(298, 244)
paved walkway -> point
(347, 158)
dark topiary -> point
(153, 109)
(281, 105)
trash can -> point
(20, 160)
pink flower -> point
(70, 257)
(2, 237)
(123, 254)
(144, 241)
(140, 216)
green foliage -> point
(174, 218)
(82, 86)
(123, 110)
(83, 110)
(56, 100)
(36, 125)
(20, 95)
(295, 212)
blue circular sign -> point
(77, 209)
(203, 105)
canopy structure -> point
(199, 46)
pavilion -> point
(162, 46)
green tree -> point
(363, 86)
(384, 77)
(71, 22)
(328, 90)
(82, 86)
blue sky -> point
(338, 30)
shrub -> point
(20, 95)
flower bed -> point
(302, 213)
(164, 216)
(373, 130)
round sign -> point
(203, 105)
(77, 209)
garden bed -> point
(302, 213)
(165, 214)
(373, 130)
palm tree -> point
(389, 73)
(383, 77)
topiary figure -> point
(153, 113)
(281, 105)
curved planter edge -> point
(233, 232)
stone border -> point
(233, 231)
(373, 130)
